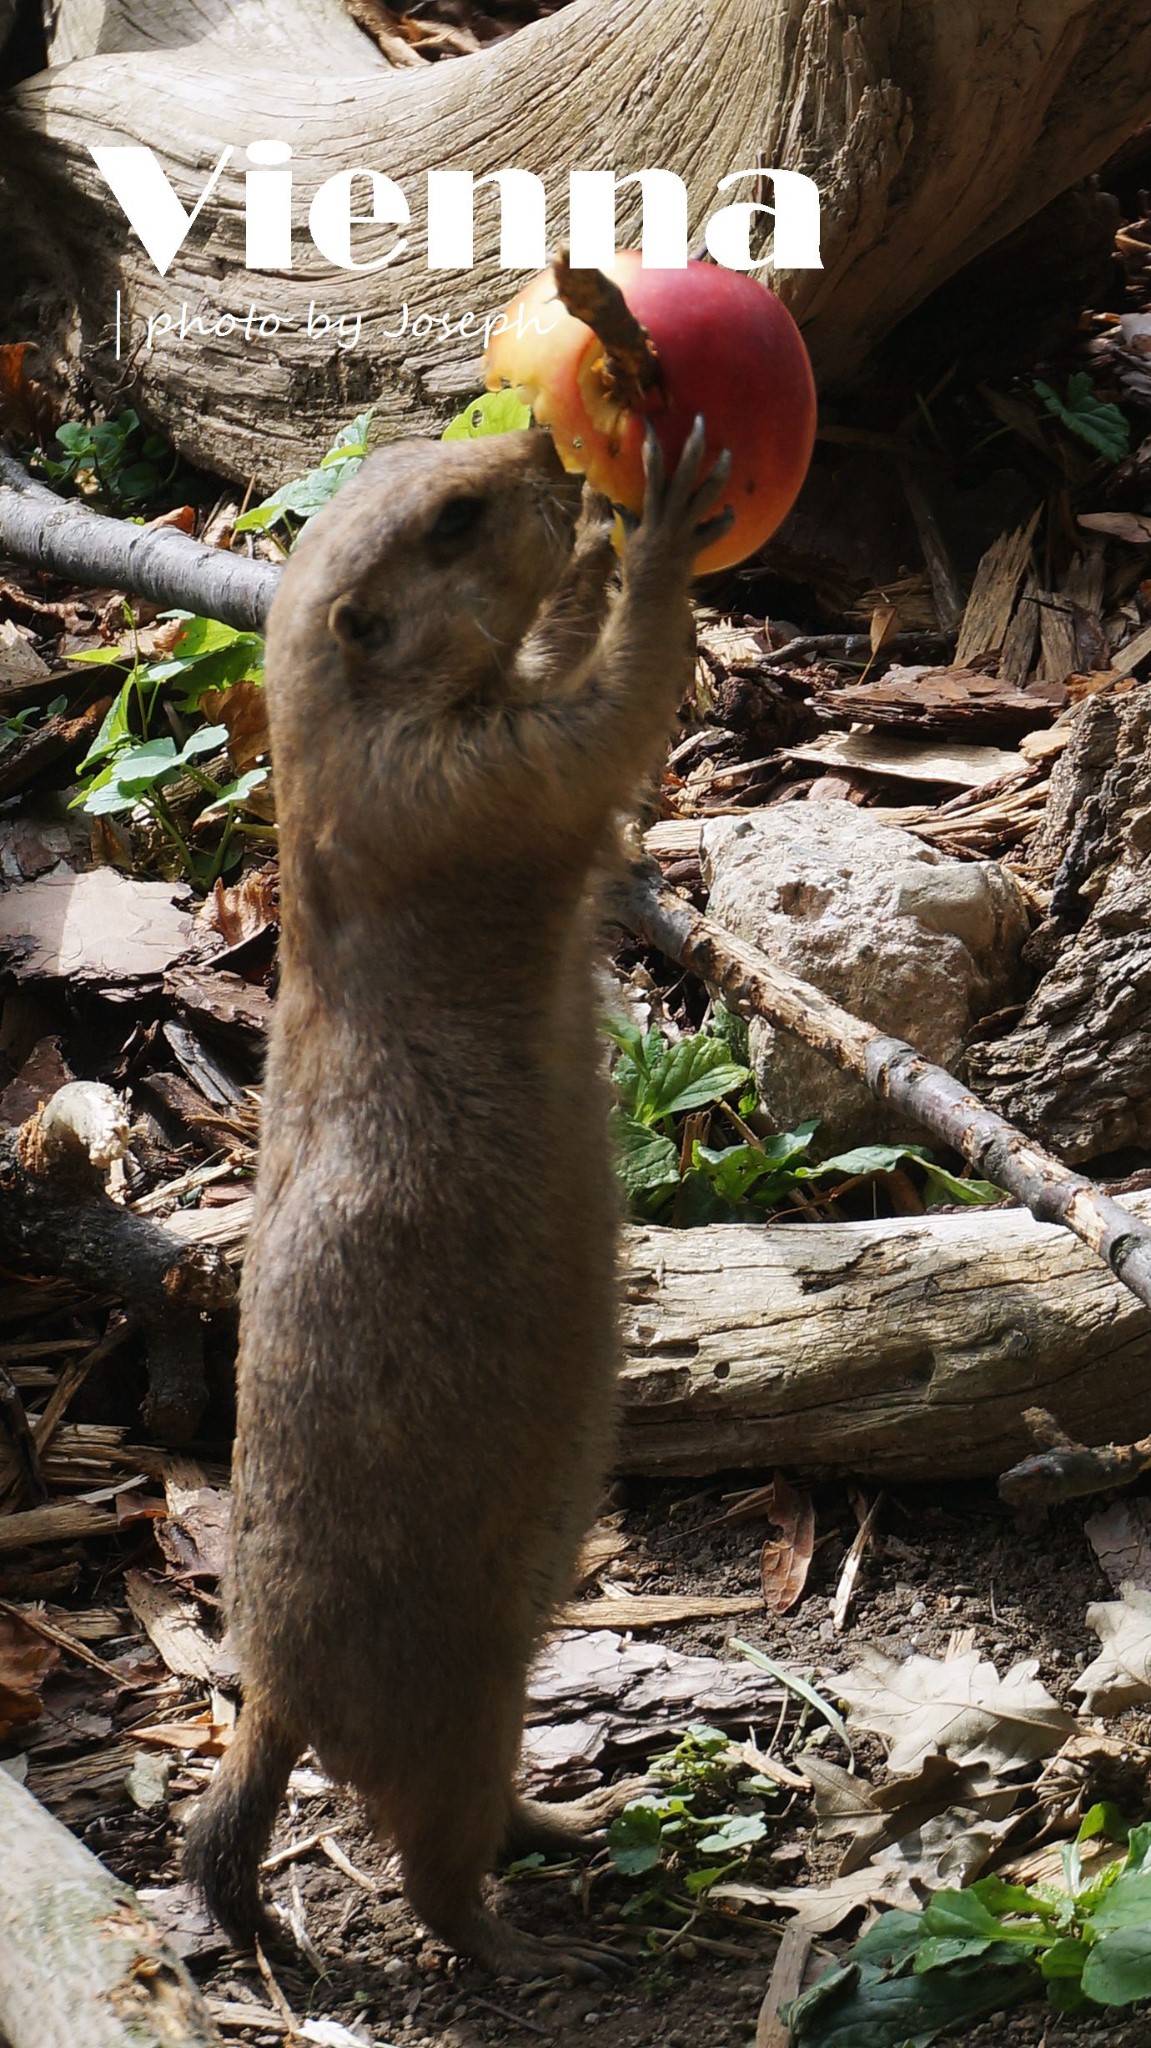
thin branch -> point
(63, 538)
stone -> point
(919, 944)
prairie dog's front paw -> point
(675, 506)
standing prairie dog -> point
(428, 1338)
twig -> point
(752, 984)
(67, 1643)
(1066, 1470)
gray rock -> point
(919, 944)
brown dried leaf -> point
(243, 708)
(25, 1662)
(958, 1706)
(1121, 1674)
(885, 621)
(244, 909)
(785, 1560)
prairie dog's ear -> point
(358, 629)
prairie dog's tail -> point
(229, 1829)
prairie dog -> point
(428, 1330)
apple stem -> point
(631, 366)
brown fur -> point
(428, 1337)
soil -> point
(946, 1561)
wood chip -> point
(171, 1625)
(65, 1523)
(771, 2031)
(911, 760)
(654, 1610)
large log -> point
(931, 131)
(897, 1350)
(81, 1965)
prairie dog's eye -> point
(356, 627)
(460, 516)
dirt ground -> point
(950, 1560)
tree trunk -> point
(81, 1965)
(1076, 1069)
(931, 131)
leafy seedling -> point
(295, 503)
(17, 726)
(710, 1809)
(1095, 420)
(982, 1949)
(117, 460)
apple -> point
(727, 348)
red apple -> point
(727, 349)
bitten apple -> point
(727, 348)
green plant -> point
(711, 1809)
(16, 727)
(671, 1174)
(298, 501)
(128, 769)
(118, 460)
(1087, 1942)
(1095, 420)
(494, 412)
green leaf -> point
(892, 1942)
(299, 500)
(697, 1072)
(1095, 420)
(496, 412)
(951, 1187)
(858, 2007)
(235, 792)
(115, 729)
(735, 1831)
(645, 1159)
(962, 1916)
(635, 1838)
(1126, 1903)
(1065, 1959)
(1118, 1969)
(999, 1897)
(207, 739)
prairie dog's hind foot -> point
(507, 1952)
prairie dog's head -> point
(410, 594)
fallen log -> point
(906, 1349)
(81, 1965)
(897, 1350)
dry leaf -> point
(1121, 1540)
(785, 1560)
(25, 1661)
(244, 909)
(243, 708)
(959, 1707)
(204, 1735)
(1121, 1674)
(821, 1908)
(885, 621)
